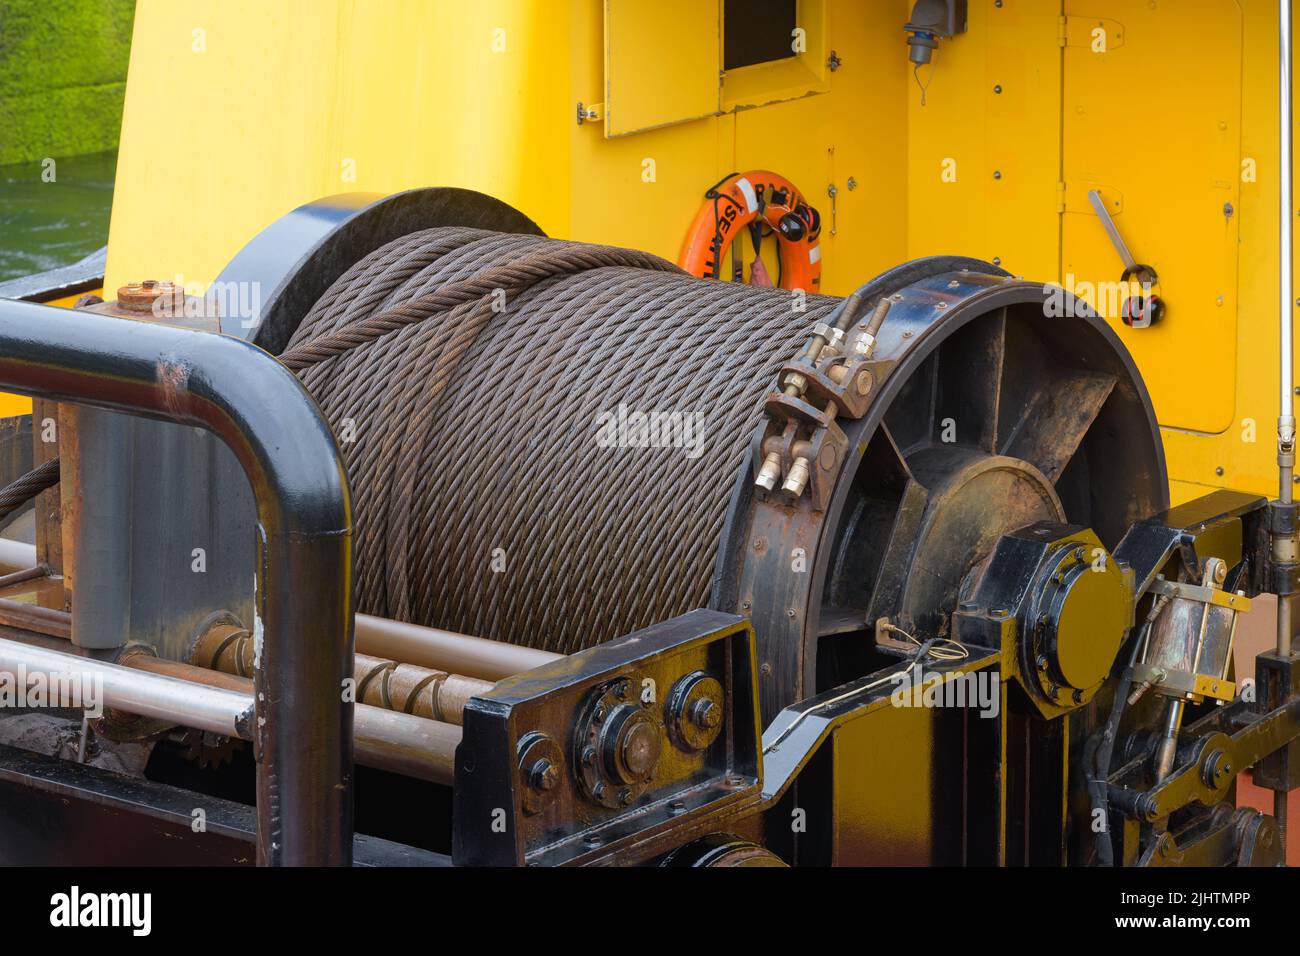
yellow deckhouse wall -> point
(238, 111)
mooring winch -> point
(634, 553)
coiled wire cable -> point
(542, 437)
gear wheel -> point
(208, 750)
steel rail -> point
(303, 730)
(1285, 546)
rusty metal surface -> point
(445, 650)
(397, 742)
(33, 617)
(149, 295)
(49, 504)
(226, 646)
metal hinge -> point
(1098, 34)
(1060, 197)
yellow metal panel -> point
(818, 141)
(306, 98)
(1156, 119)
(1243, 455)
(11, 405)
(268, 106)
(984, 149)
(663, 62)
(639, 190)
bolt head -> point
(544, 776)
(706, 714)
(641, 749)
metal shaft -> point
(1285, 547)
(16, 556)
(385, 740)
(303, 730)
(446, 650)
(462, 654)
(74, 681)
(392, 685)
(1168, 748)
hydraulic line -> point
(542, 437)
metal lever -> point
(1139, 311)
(1116, 240)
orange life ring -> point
(739, 201)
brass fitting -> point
(770, 473)
(797, 480)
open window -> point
(671, 61)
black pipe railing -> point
(303, 620)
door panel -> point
(1152, 119)
(663, 59)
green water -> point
(44, 225)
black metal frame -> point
(296, 258)
(304, 574)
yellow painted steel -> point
(240, 110)
(1179, 200)
(984, 151)
(1173, 116)
(11, 405)
(673, 38)
(297, 99)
